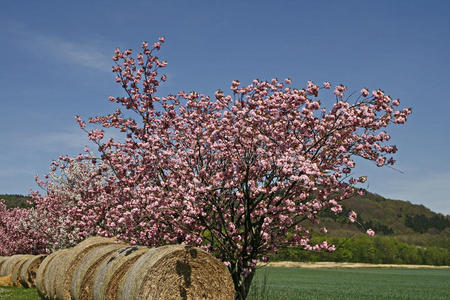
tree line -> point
(377, 250)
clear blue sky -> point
(56, 63)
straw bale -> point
(55, 271)
(66, 267)
(83, 276)
(6, 280)
(42, 270)
(177, 272)
(2, 260)
(111, 271)
(9, 264)
(15, 273)
(45, 275)
(28, 272)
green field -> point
(295, 283)
(16, 293)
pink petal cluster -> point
(239, 175)
(370, 232)
(352, 216)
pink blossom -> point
(339, 90)
(157, 45)
(370, 232)
(352, 216)
(95, 134)
(312, 88)
(380, 161)
(365, 92)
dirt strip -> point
(334, 265)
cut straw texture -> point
(111, 271)
(29, 269)
(19, 270)
(66, 267)
(6, 280)
(16, 269)
(83, 275)
(2, 260)
(46, 272)
(10, 262)
(176, 272)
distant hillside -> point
(15, 200)
(390, 216)
(405, 234)
(411, 223)
(386, 216)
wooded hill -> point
(15, 200)
(405, 233)
(385, 216)
(411, 223)
(396, 217)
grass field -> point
(16, 293)
(296, 283)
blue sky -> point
(56, 63)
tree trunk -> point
(242, 288)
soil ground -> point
(336, 265)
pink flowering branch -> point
(239, 175)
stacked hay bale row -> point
(102, 268)
(19, 270)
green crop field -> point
(295, 283)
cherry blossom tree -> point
(14, 238)
(68, 212)
(239, 175)
(56, 219)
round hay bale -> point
(28, 272)
(177, 272)
(15, 273)
(43, 271)
(111, 271)
(9, 264)
(65, 269)
(83, 276)
(53, 273)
